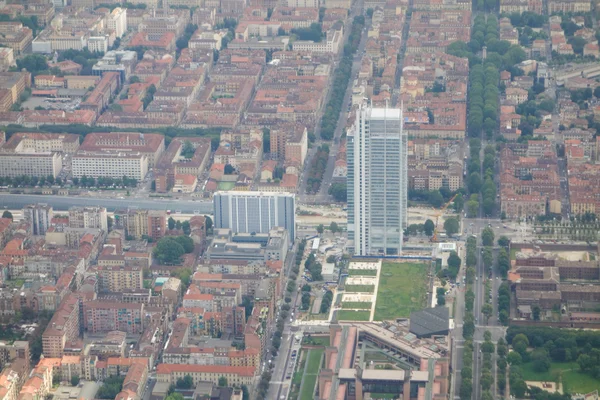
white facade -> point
(114, 165)
(98, 43)
(32, 164)
(88, 217)
(330, 45)
(247, 212)
(117, 21)
(377, 182)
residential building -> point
(38, 217)
(152, 145)
(88, 217)
(105, 316)
(16, 37)
(140, 223)
(247, 212)
(117, 21)
(169, 373)
(117, 278)
(377, 182)
(110, 164)
(63, 327)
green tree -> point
(514, 358)
(7, 214)
(134, 79)
(503, 241)
(428, 227)
(487, 237)
(436, 199)
(222, 382)
(338, 191)
(451, 226)
(74, 380)
(171, 223)
(459, 203)
(185, 383)
(541, 360)
(333, 227)
(32, 63)
(535, 310)
(168, 251)
(320, 229)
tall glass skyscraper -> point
(377, 182)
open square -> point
(402, 289)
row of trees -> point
(474, 180)
(263, 386)
(501, 364)
(466, 387)
(315, 268)
(184, 226)
(340, 81)
(487, 378)
(326, 302)
(484, 96)
(503, 259)
(317, 169)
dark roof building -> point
(430, 322)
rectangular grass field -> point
(362, 272)
(402, 289)
(351, 315)
(362, 305)
(226, 185)
(359, 288)
(311, 371)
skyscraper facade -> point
(248, 212)
(377, 182)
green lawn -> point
(362, 272)
(513, 254)
(316, 340)
(313, 364)
(363, 305)
(402, 289)
(359, 288)
(573, 381)
(311, 371)
(226, 185)
(349, 315)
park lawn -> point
(573, 380)
(362, 272)
(311, 371)
(577, 382)
(402, 289)
(350, 315)
(363, 305)
(226, 185)
(359, 288)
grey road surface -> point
(16, 201)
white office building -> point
(247, 212)
(117, 21)
(377, 182)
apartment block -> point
(41, 142)
(116, 21)
(104, 316)
(38, 217)
(169, 373)
(102, 94)
(119, 278)
(63, 327)
(88, 217)
(290, 143)
(110, 164)
(16, 37)
(152, 145)
(140, 223)
(39, 164)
